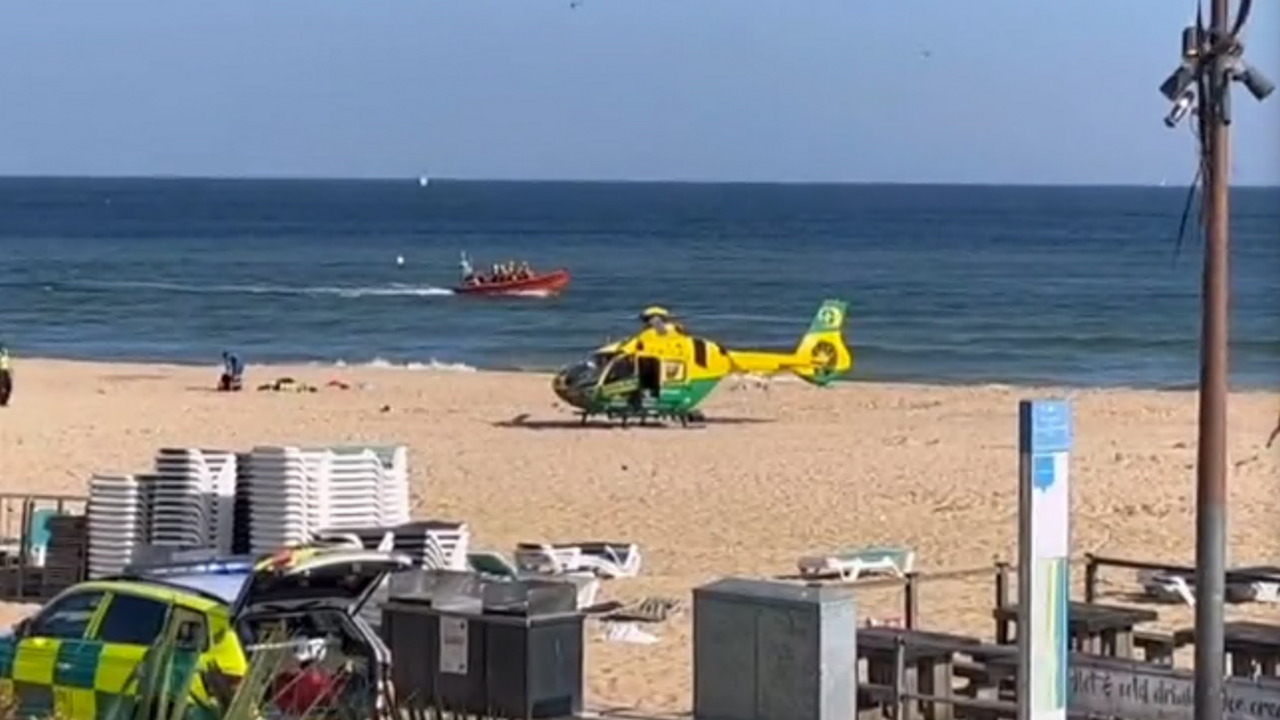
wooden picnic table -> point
(929, 659)
(1094, 629)
(1253, 648)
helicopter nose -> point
(560, 385)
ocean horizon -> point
(252, 178)
(1075, 285)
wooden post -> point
(911, 601)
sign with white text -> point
(1044, 546)
(1143, 692)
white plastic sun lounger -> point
(604, 559)
(854, 563)
(1175, 586)
(495, 565)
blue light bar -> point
(196, 567)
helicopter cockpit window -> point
(622, 368)
(588, 371)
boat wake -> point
(393, 290)
(528, 293)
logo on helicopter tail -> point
(830, 317)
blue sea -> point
(1078, 285)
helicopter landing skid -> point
(643, 416)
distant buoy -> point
(400, 261)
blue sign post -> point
(1044, 549)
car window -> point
(132, 620)
(67, 618)
(190, 632)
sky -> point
(985, 91)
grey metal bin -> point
(510, 649)
(767, 650)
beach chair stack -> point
(367, 486)
(256, 502)
(192, 497)
(241, 543)
(434, 544)
(117, 512)
(279, 486)
(394, 484)
(347, 489)
(296, 494)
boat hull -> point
(551, 283)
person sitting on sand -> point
(232, 373)
(6, 376)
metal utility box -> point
(767, 650)
(495, 649)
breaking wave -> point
(384, 364)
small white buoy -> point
(400, 261)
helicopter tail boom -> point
(820, 357)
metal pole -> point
(1211, 466)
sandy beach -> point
(776, 474)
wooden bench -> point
(874, 700)
(982, 709)
(1159, 647)
(1156, 647)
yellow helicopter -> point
(665, 373)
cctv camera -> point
(1180, 108)
(1177, 82)
(1191, 41)
(1258, 85)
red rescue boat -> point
(548, 283)
(511, 280)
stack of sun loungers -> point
(256, 502)
(435, 544)
(68, 541)
(117, 512)
(241, 538)
(278, 481)
(394, 485)
(296, 493)
(851, 564)
(192, 494)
